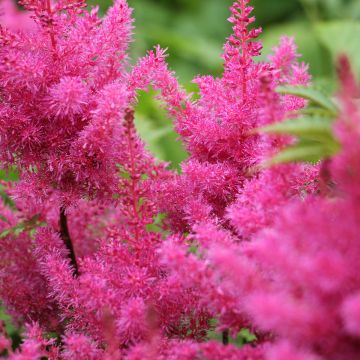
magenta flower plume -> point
(301, 260)
(56, 82)
(218, 129)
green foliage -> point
(27, 225)
(313, 131)
(10, 329)
(157, 130)
(10, 174)
(245, 336)
(193, 248)
(7, 175)
(316, 98)
(157, 225)
(331, 9)
(310, 128)
(341, 37)
(302, 151)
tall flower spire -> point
(240, 49)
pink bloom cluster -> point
(219, 133)
(300, 280)
(120, 257)
(65, 87)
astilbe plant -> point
(299, 281)
(87, 264)
(222, 193)
(64, 88)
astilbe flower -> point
(13, 18)
(302, 268)
(34, 346)
(64, 93)
(191, 351)
(122, 288)
(80, 346)
(261, 197)
(123, 285)
(219, 129)
(23, 290)
(224, 195)
(69, 128)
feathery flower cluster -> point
(303, 267)
(218, 131)
(106, 254)
(64, 91)
(300, 265)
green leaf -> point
(159, 218)
(303, 152)
(315, 112)
(7, 320)
(10, 174)
(157, 225)
(18, 230)
(156, 130)
(242, 338)
(153, 228)
(247, 335)
(215, 336)
(27, 225)
(341, 37)
(5, 233)
(312, 128)
(6, 199)
(315, 96)
(193, 249)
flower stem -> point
(65, 236)
(225, 337)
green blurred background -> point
(194, 32)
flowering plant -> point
(106, 253)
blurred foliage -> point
(194, 32)
(244, 336)
(9, 175)
(13, 332)
(313, 129)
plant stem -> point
(129, 123)
(225, 337)
(65, 235)
(325, 177)
(51, 27)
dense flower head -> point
(302, 255)
(186, 350)
(261, 197)
(219, 131)
(324, 254)
(121, 287)
(56, 82)
(14, 19)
